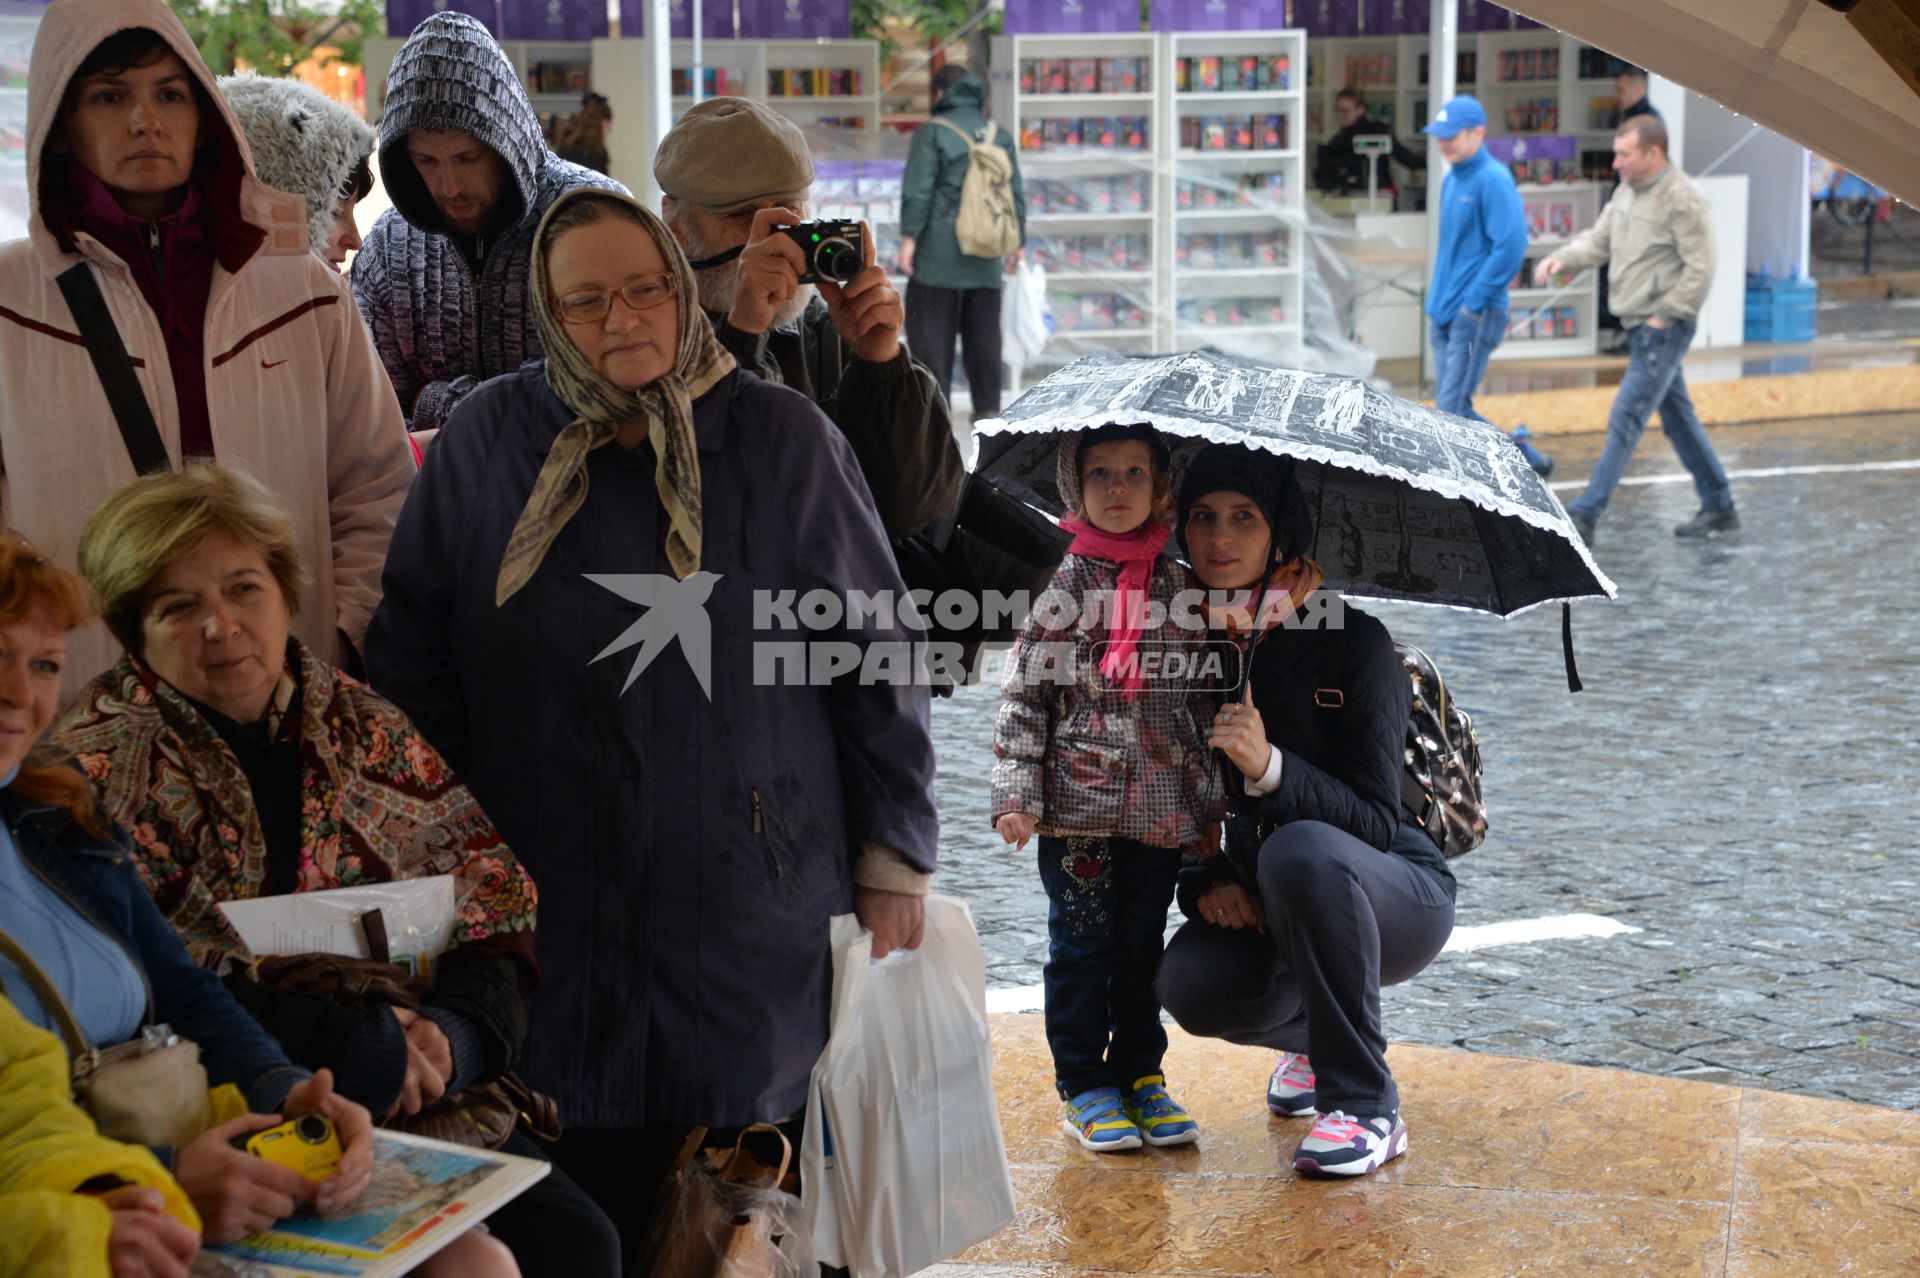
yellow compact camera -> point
(307, 1144)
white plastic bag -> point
(1026, 316)
(902, 1164)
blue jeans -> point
(1654, 381)
(1107, 903)
(1461, 348)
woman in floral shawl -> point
(244, 766)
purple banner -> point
(1224, 15)
(1556, 147)
(1484, 15)
(555, 19)
(795, 20)
(404, 15)
(716, 19)
(1049, 17)
(1323, 19)
(1394, 17)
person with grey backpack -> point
(963, 220)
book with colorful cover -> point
(424, 1194)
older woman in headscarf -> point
(245, 767)
(591, 610)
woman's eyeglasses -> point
(642, 294)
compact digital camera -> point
(834, 250)
(306, 1144)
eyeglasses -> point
(642, 294)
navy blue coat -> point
(99, 878)
(688, 851)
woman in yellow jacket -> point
(74, 1204)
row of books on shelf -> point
(1541, 169)
(1522, 66)
(1214, 311)
(1106, 132)
(1242, 73)
(1543, 324)
(1084, 75)
(1533, 115)
(1466, 69)
(1242, 190)
(1211, 251)
(1092, 312)
(1092, 252)
(1119, 193)
(1235, 132)
(1598, 64)
(559, 77)
(715, 82)
(1544, 220)
(813, 82)
(1367, 70)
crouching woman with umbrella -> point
(1328, 889)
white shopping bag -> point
(902, 1164)
(1026, 316)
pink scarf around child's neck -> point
(1135, 552)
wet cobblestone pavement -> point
(1740, 781)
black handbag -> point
(993, 542)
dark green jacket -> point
(930, 197)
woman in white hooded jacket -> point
(245, 346)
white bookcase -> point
(621, 71)
(1087, 116)
(1232, 197)
(1164, 202)
(1557, 320)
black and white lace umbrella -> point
(1409, 503)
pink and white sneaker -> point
(1343, 1145)
(1290, 1090)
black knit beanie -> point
(1264, 478)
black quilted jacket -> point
(1335, 701)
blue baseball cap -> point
(1464, 112)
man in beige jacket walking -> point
(1657, 231)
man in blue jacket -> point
(1483, 238)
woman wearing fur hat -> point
(305, 143)
(1328, 890)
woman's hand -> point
(352, 1124)
(429, 1063)
(235, 1192)
(1240, 734)
(1016, 828)
(1230, 905)
(146, 1242)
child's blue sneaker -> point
(1158, 1116)
(1096, 1119)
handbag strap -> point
(77, 1047)
(115, 369)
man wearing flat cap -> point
(731, 172)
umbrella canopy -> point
(1800, 68)
(1409, 503)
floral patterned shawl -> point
(377, 804)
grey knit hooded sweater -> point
(303, 142)
(449, 311)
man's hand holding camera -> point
(867, 309)
(770, 269)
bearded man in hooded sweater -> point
(442, 279)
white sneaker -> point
(1342, 1145)
(1290, 1090)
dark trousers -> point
(555, 1229)
(1107, 905)
(935, 316)
(1343, 919)
(1654, 380)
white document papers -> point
(419, 915)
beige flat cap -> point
(726, 153)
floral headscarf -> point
(666, 405)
